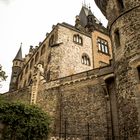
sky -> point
(28, 21)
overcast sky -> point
(28, 21)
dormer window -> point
(102, 46)
(77, 39)
(85, 60)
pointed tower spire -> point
(19, 54)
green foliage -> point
(23, 122)
(2, 74)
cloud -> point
(5, 1)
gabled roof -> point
(84, 13)
(19, 54)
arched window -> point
(36, 57)
(77, 39)
(43, 49)
(26, 68)
(21, 76)
(51, 40)
(24, 83)
(31, 63)
(30, 80)
(74, 38)
(117, 38)
(85, 60)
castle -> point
(87, 83)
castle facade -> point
(88, 84)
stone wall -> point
(78, 105)
(126, 60)
(23, 95)
(69, 54)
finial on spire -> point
(20, 44)
(89, 7)
(84, 3)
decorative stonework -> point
(38, 77)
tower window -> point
(43, 49)
(77, 39)
(85, 59)
(117, 38)
(102, 46)
(121, 5)
(138, 68)
(90, 19)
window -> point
(31, 63)
(138, 68)
(90, 19)
(49, 58)
(21, 76)
(26, 69)
(85, 59)
(48, 75)
(30, 80)
(24, 83)
(102, 46)
(51, 40)
(117, 38)
(43, 49)
(121, 5)
(36, 57)
(78, 39)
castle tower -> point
(17, 65)
(124, 27)
(87, 19)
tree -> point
(2, 74)
(23, 122)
